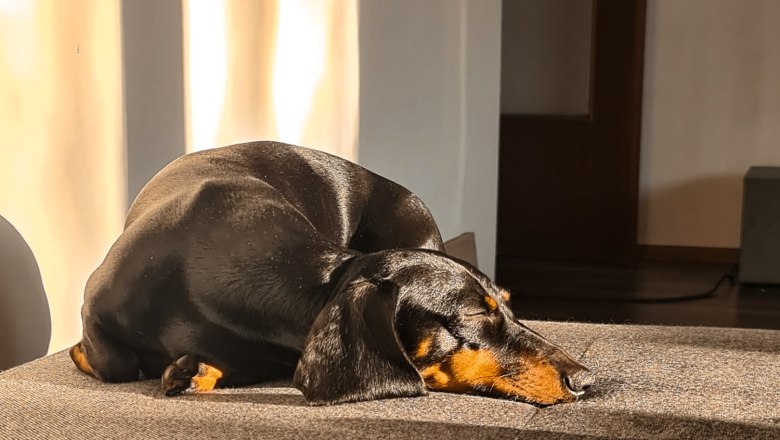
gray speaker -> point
(759, 260)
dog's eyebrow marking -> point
(206, 379)
(424, 347)
(491, 303)
(505, 295)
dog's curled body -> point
(259, 260)
(222, 241)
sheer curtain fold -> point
(61, 142)
(277, 69)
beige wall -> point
(61, 142)
(153, 80)
(429, 107)
(711, 109)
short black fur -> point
(267, 260)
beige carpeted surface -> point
(653, 382)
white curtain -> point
(272, 69)
(61, 142)
(265, 69)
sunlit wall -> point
(277, 69)
(61, 141)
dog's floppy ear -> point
(353, 353)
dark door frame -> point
(568, 186)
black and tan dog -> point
(261, 260)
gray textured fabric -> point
(25, 322)
(653, 382)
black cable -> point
(731, 276)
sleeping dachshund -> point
(261, 260)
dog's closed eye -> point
(485, 306)
(481, 313)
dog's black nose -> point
(579, 381)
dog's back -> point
(344, 202)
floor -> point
(647, 293)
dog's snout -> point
(579, 381)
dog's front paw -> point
(189, 373)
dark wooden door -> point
(568, 185)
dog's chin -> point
(535, 399)
(567, 396)
(553, 401)
(539, 403)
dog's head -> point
(403, 321)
